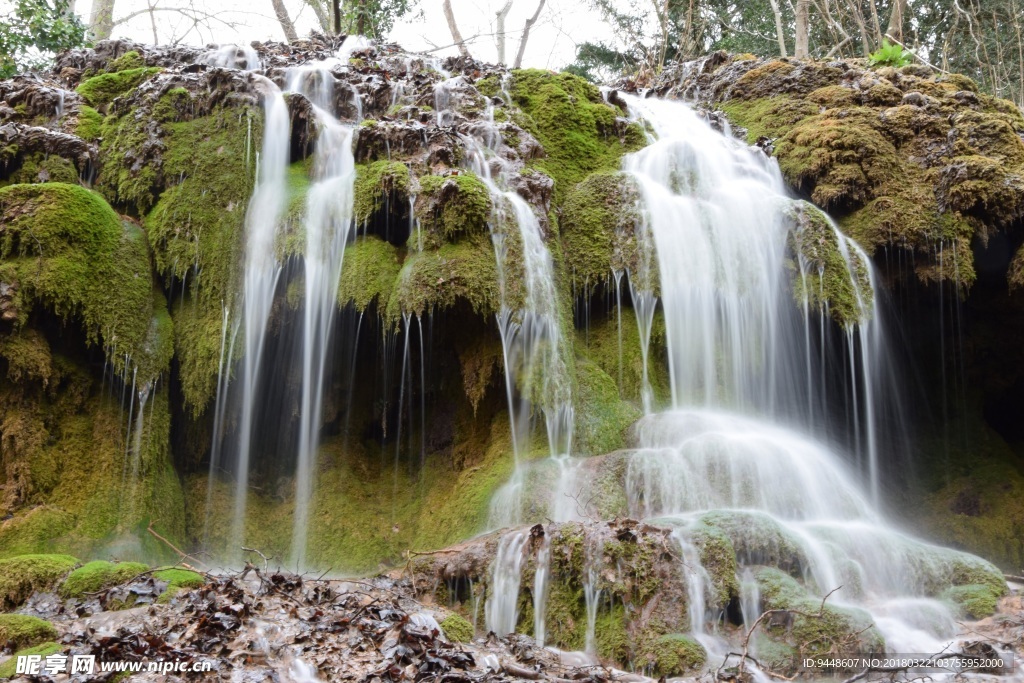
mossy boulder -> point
(675, 654)
(18, 631)
(457, 629)
(93, 577)
(25, 574)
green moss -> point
(611, 635)
(28, 356)
(8, 669)
(598, 226)
(602, 417)
(975, 601)
(675, 654)
(718, 557)
(39, 168)
(771, 117)
(438, 279)
(375, 182)
(90, 123)
(129, 60)
(369, 273)
(74, 255)
(96, 576)
(18, 631)
(23, 575)
(196, 230)
(100, 90)
(451, 207)
(457, 629)
(580, 133)
(829, 280)
(183, 578)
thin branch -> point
(526, 35)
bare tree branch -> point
(526, 35)
(281, 12)
(499, 39)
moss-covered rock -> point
(98, 575)
(25, 574)
(18, 631)
(675, 654)
(451, 207)
(975, 601)
(374, 182)
(457, 629)
(369, 273)
(436, 279)
(101, 89)
(579, 131)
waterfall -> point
(501, 611)
(328, 223)
(738, 353)
(534, 354)
(261, 273)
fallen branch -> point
(1011, 577)
(183, 555)
(520, 671)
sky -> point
(561, 25)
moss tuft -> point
(182, 578)
(370, 270)
(451, 207)
(25, 574)
(98, 575)
(18, 631)
(457, 629)
(375, 182)
(975, 601)
(90, 123)
(100, 90)
(675, 654)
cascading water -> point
(328, 223)
(716, 219)
(531, 335)
(261, 274)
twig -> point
(254, 550)
(1011, 577)
(183, 555)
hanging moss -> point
(96, 576)
(23, 575)
(100, 90)
(602, 417)
(374, 182)
(452, 207)
(438, 279)
(72, 254)
(827, 280)
(579, 131)
(598, 225)
(196, 231)
(368, 274)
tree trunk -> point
(780, 33)
(858, 17)
(526, 35)
(101, 21)
(454, 28)
(499, 36)
(895, 28)
(361, 21)
(336, 15)
(323, 17)
(286, 22)
(875, 23)
(801, 43)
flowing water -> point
(746, 444)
